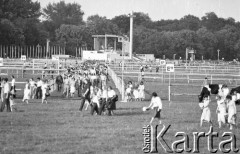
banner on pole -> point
(1, 61)
(162, 62)
(23, 57)
(169, 67)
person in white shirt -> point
(103, 100)
(27, 92)
(141, 91)
(45, 91)
(13, 87)
(33, 88)
(111, 101)
(39, 88)
(6, 92)
(221, 111)
(231, 110)
(128, 93)
(95, 104)
(66, 85)
(136, 93)
(206, 114)
(156, 104)
(72, 84)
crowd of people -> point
(135, 92)
(89, 81)
(226, 107)
(85, 80)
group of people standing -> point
(36, 89)
(89, 81)
(226, 108)
(135, 92)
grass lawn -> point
(58, 127)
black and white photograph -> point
(119, 76)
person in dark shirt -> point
(85, 94)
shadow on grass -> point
(128, 113)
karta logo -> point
(152, 139)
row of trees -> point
(63, 23)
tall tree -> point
(190, 22)
(60, 13)
(208, 43)
(101, 25)
(74, 36)
(123, 22)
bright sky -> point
(157, 9)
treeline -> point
(23, 22)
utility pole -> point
(131, 34)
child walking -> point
(27, 92)
(206, 113)
(231, 110)
(221, 111)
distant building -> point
(146, 57)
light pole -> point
(122, 77)
(47, 48)
(218, 55)
(131, 34)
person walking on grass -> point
(45, 91)
(221, 111)
(141, 91)
(206, 113)
(156, 104)
(13, 87)
(232, 111)
(95, 103)
(5, 95)
(85, 93)
(39, 88)
(27, 92)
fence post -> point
(169, 93)
(188, 78)
(211, 79)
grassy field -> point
(58, 127)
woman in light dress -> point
(72, 86)
(95, 101)
(141, 91)
(206, 113)
(136, 93)
(32, 88)
(27, 92)
(231, 110)
(45, 91)
(221, 111)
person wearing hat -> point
(156, 104)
